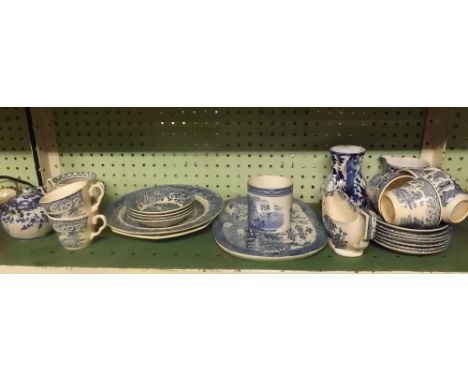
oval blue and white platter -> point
(306, 236)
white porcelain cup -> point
(75, 199)
(76, 233)
(68, 178)
(270, 200)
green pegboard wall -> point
(219, 148)
(457, 146)
(16, 158)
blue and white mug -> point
(270, 200)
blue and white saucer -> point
(306, 236)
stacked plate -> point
(164, 212)
(412, 241)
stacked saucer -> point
(412, 241)
(164, 212)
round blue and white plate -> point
(207, 206)
(306, 236)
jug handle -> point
(371, 223)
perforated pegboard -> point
(457, 146)
(219, 148)
(16, 158)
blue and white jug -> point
(346, 172)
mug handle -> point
(100, 187)
(371, 223)
(101, 228)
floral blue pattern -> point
(72, 234)
(160, 199)
(24, 214)
(264, 214)
(306, 235)
(421, 192)
(346, 172)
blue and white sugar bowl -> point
(23, 218)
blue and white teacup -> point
(75, 199)
(415, 204)
(68, 178)
(269, 203)
(77, 233)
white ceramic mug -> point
(73, 200)
(269, 203)
(76, 233)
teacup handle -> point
(98, 186)
(101, 228)
(371, 223)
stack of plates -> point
(128, 216)
(412, 241)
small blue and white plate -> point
(306, 236)
(207, 206)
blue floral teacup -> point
(77, 233)
(73, 200)
(269, 203)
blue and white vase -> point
(346, 171)
(23, 218)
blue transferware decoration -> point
(346, 171)
(415, 204)
(77, 233)
(206, 207)
(454, 200)
(269, 200)
(305, 237)
(382, 182)
(70, 177)
(73, 200)
(23, 218)
(162, 200)
(349, 227)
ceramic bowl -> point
(414, 204)
(161, 201)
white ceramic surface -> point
(269, 203)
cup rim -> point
(63, 192)
(411, 162)
(348, 149)
(256, 182)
